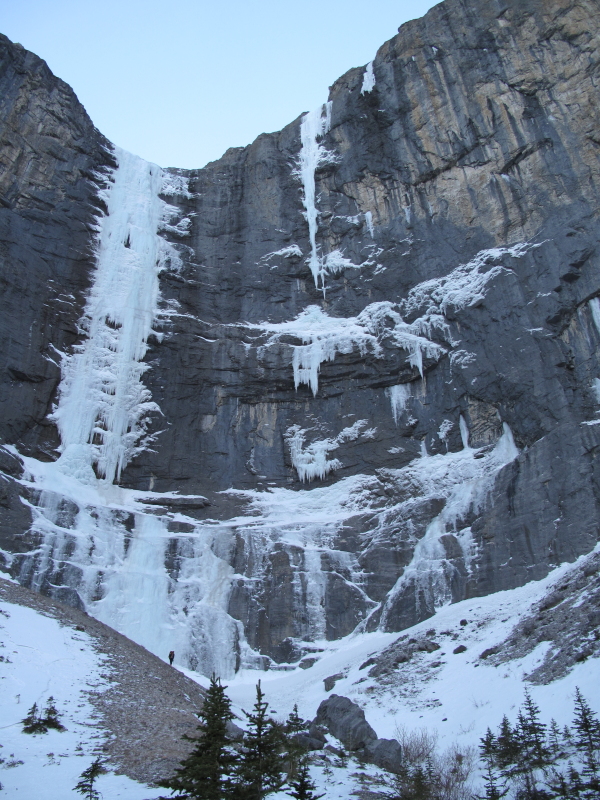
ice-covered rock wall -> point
(329, 382)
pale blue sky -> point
(180, 81)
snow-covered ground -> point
(459, 699)
(455, 695)
(41, 658)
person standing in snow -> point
(171, 657)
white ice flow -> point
(311, 462)
(96, 540)
(103, 403)
(368, 83)
(465, 482)
(314, 126)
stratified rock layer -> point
(462, 191)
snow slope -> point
(457, 695)
(41, 658)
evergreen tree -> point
(532, 735)
(206, 773)
(587, 740)
(33, 722)
(555, 741)
(488, 750)
(51, 716)
(262, 763)
(302, 787)
(88, 777)
(293, 728)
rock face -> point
(373, 345)
(346, 721)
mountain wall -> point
(336, 379)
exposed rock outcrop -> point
(346, 721)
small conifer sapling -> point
(88, 777)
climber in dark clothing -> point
(171, 657)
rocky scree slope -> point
(146, 707)
(379, 327)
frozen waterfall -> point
(102, 400)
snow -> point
(285, 252)
(458, 699)
(466, 285)
(368, 83)
(45, 659)
(444, 430)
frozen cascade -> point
(314, 125)
(98, 545)
(466, 482)
(311, 462)
(595, 309)
(368, 83)
(102, 400)
(324, 336)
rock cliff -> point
(362, 375)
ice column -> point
(314, 125)
(103, 402)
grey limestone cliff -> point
(399, 380)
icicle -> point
(399, 396)
(369, 221)
(464, 432)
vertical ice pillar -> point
(314, 125)
(103, 402)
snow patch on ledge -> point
(324, 336)
(465, 286)
(311, 462)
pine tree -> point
(555, 740)
(206, 773)
(88, 777)
(302, 787)
(294, 726)
(507, 748)
(532, 735)
(33, 722)
(488, 750)
(587, 741)
(51, 716)
(263, 761)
